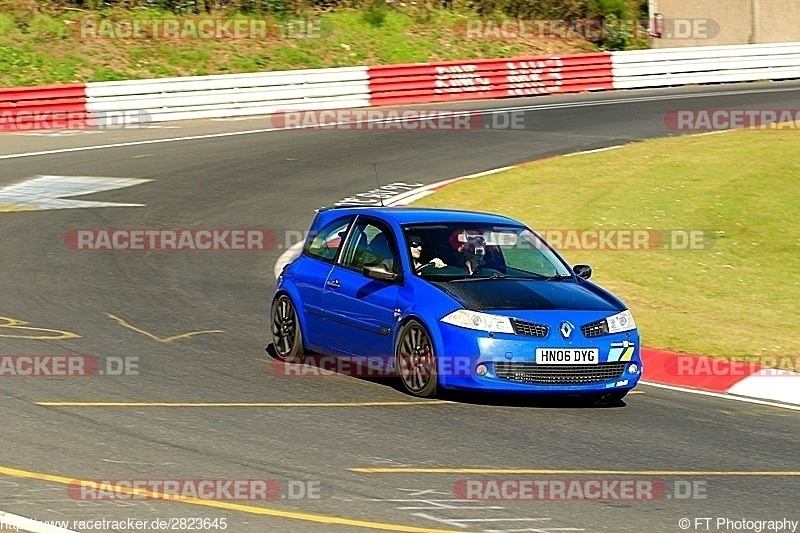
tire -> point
(287, 338)
(415, 361)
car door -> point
(361, 310)
(311, 275)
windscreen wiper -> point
(495, 275)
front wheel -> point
(286, 335)
(416, 361)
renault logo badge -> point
(566, 329)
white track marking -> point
(414, 194)
(596, 150)
(722, 395)
(467, 522)
(46, 192)
(432, 504)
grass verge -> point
(48, 49)
(738, 298)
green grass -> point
(44, 49)
(737, 299)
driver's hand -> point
(438, 263)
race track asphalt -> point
(713, 457)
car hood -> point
(485, 295)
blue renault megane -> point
(453, 300)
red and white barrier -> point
(36, 108)
(231, 95)
(780, 382)
(488, 78)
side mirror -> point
(379, 271)
(583, 271)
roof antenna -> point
(380, 192)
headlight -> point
(620, 322)
(479, 321)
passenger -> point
(473, 250)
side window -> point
(328, 240)
(370, 245)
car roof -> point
(428, 215)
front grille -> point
(558, 374)
(529, 328)
(595, 329)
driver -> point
(415, 246)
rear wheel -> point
(416, 361)
(286, 335)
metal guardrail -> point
(231, 95)
(710, 64)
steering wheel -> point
(419, 268)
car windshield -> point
(460, 252)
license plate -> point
(567, 356)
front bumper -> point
(509, 363)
